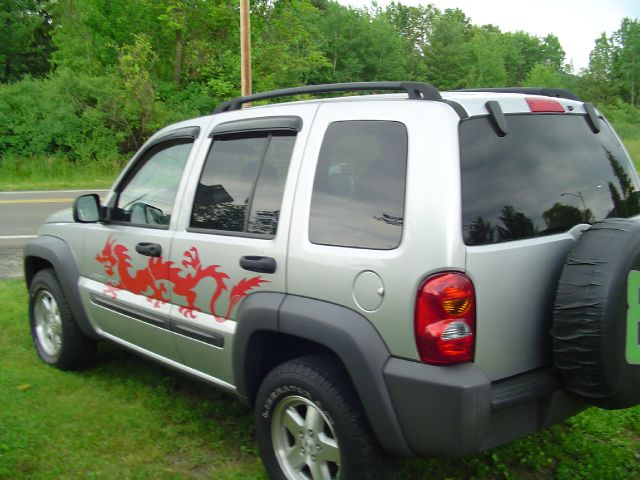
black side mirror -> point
(86, 209)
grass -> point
(54, 173)
(130, 418)
(633, 147)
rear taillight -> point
(445, 320)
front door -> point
(125, 274)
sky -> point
(576, 23)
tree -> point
(134, 65)
(25, 38)
(543, 76)
(551, 53)
(414, 27)
(626, 63)
(598, 79)
(485, 64)
(359, 45)
(521, 52)
(288, 51)
(446, 52)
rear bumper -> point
(456, 410)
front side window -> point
(358, 192)
(548, 174)
(148, 197)
(242, 183)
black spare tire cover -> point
(596, 317)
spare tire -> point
(596, 316)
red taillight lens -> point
(542, 105)
(445, 319)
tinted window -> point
(358, 192)
(242, 183)
(549, 173)
(148, 197)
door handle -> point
(149, 249)
(258, 264)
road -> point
(21, 213)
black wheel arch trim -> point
(57, 253)
(343, 331)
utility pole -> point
(245, 48)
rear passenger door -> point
(348, 225)
(234, 237)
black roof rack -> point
(415, 90)
(547, 92)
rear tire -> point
(310, 424)
(56, 336)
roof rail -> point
(547, 92)
(415, 90)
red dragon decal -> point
(152, 280)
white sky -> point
(576, 23)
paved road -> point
(21, 213)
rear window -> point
(549, 173)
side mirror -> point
(86, 209)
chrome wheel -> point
(47, 322)
(304, 441)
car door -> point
(125, 271)
(233, 236)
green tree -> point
(25, 38)
(626, 63)
(288, 50)
(485, 64)
(134, 66)
(414, 26)
(360, 46)
(551, 53)
(446, 52)
(521, 53)
(597, 79)
(543, 76)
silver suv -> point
(415, 273)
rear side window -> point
(242, 183)
(548, 174)
(358, 192)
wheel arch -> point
(273, 328)
(52, 252)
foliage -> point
(90, 80)
(69, 115)
(25, 38)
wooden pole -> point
(245, 48)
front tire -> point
(56, 336)
(310, 424)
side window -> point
(148, 197)
(358, 192)
(242, 183)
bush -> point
(625, 118)
(67, 115)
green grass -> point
(633, 147)
(130, 418)
(53, 173)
